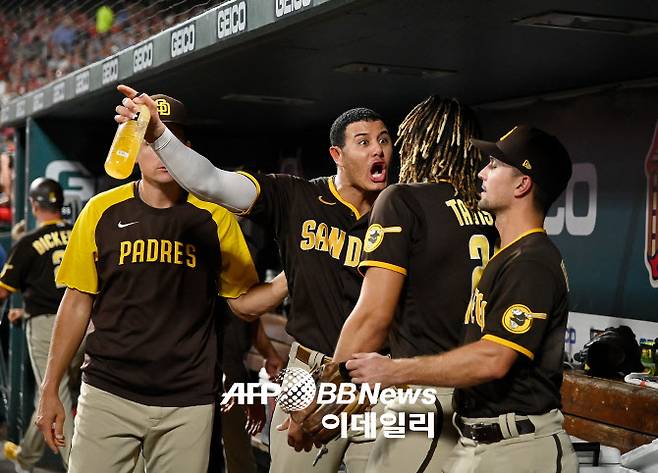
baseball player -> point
(145, 263)
(33, 262)
(509, 372)
(424, 249)
(319, 226)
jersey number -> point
(478, 248)
(57, 260)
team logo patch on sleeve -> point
(375, 236)
(518, 318)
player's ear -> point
(337, 155)
(523, 186)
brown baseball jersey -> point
(155, 274)
(427, 233)
(521, 302)
(320, 240)
(32, 264)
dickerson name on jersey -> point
(51, 240)
(157, 251)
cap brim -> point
(489, 148)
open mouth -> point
(378, 172)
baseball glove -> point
(311, 417)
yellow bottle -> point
(125, 146)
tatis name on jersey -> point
(465, 216)
(322, 237)
(157, 251)
(51, 240)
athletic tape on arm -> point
(201, 178)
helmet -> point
(47, 193)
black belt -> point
(491, 433)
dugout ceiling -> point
(279, 69)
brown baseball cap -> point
(170, 109)
(536, 154)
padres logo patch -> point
(374, 238)
(163, 107)
(518, 318)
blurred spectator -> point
(41, 41)
(104, 19)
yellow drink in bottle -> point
(125, 146)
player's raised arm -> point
(193, 172)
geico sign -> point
(59, 92)
(110, 71)
(37, 102)
(284, 7)
(182, 40)
(82, 82)
(232, 20)
(143, 57)
(577, 225)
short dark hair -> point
(337, 133)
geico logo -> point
(584, 174)
(110, 71)
(157, 251)
(20, 108)
(59, 92)
(283, 7)
(37, 102)
(182, 40)
(82, 82)
(232, 20)
(143, 57)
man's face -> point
(499, 180)
(152, 168)
(366, 155)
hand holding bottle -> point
(130, 107)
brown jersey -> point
(426, 232)
(320, 240)
(521, 302)
(32, 264)
(155, 274)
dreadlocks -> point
(435, 144)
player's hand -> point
(50, 420)
(371, 368)
(130, 105)
(297, 439)
(224, 408)
(255, 418)
(273, 365)
(15, 315)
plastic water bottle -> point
(125, 146)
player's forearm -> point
(201, 178)
(262, 342)
(470, 365)
(361, 333)
(260, 299)
(69, 330)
